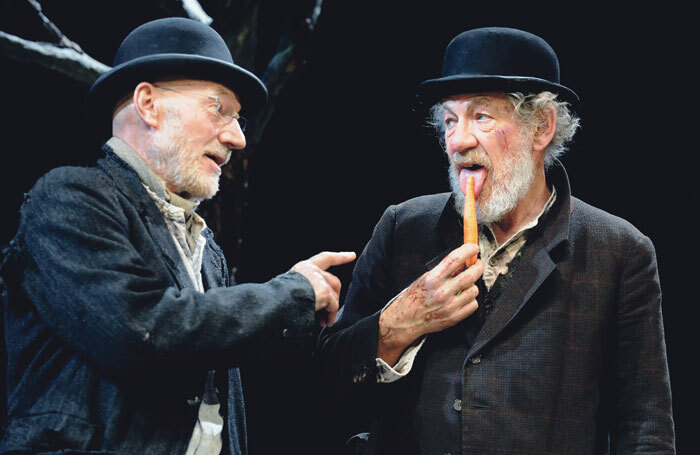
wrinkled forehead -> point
(494, 99)
(210, 87)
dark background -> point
(344, 143)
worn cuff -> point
(387, 373)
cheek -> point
(502, 139)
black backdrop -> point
(344, 143)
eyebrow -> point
(228, 92)
(220, 91)
(474, 102)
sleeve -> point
(97, 291)
(644, 422)
(387, 373)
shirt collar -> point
(147, 176)
(490, 236)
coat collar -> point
(129, 184)
(534, 265)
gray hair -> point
(528, 109)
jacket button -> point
(476, 359)
(457, 405)
(285, 333)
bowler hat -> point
(177, 47)
(496, 59)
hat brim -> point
(117, 82)
(434, 90)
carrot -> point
(471, 231)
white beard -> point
(173, 160)
(508, 186)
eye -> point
(221, 108)
(450, 122)
(481, 116)
(227, 110)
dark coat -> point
(108, 345)
(570, 358)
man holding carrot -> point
(552, 341)
(123, 331)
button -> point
(493, 261)
(285, 333)
(194, 401)
(476, 359)
(457, 405)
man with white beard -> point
(123, 331)
(552, 342)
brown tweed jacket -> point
(566, 354)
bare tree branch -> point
(76, 65)
(312, 20)
(195, 11)
(54, 31)
(190, 8)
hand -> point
(326, 285)
(440, 298)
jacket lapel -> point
(130, 185)
(532, 268)
(535, 264)
(214, 271)
(531, 271)
(449, 229)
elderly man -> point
(552, 342)
(123, 331)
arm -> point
(94, 285)
(644, 419)
(436, 300)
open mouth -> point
(478, 171)
(217, 159)
(473, 167)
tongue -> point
(479, 179)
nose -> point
(461, 138)
(232, 136)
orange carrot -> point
(471, 231)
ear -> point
(146, 102)
(545, 132)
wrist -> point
(392, 340)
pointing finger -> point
(328, 259)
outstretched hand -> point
(326, 285)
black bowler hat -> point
(176, 47)
(496, 59)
